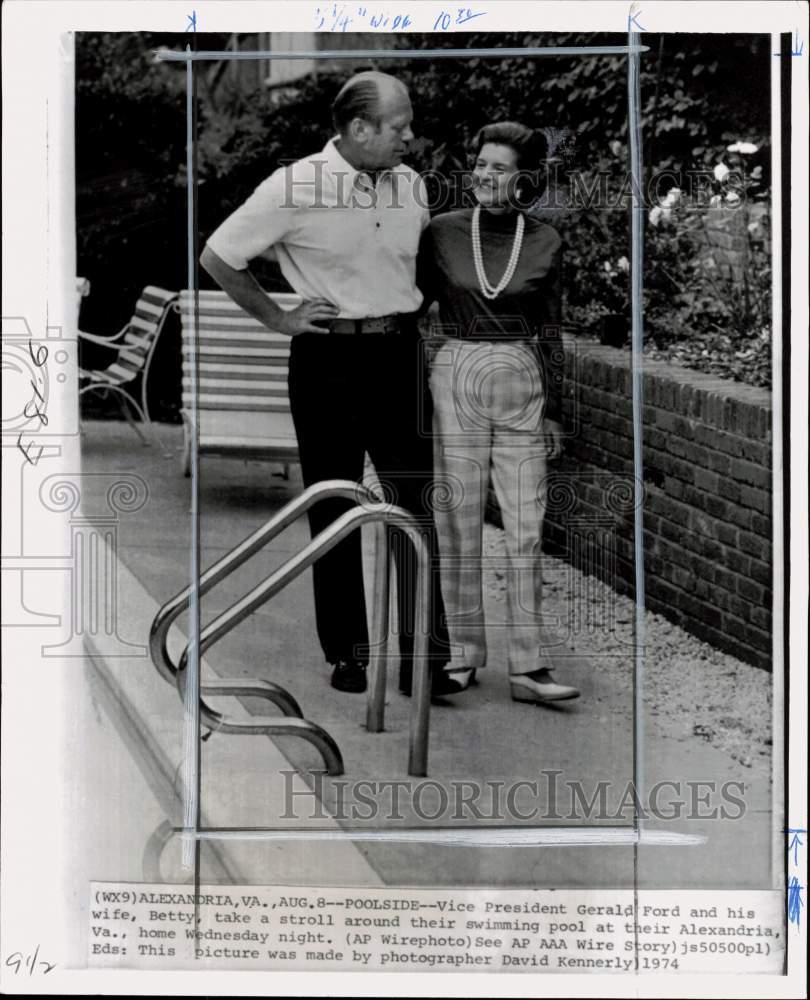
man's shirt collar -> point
(340, 166)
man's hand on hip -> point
(554, 435)
(246, 292)
(309, 317)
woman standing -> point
(496, 398)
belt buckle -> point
(376, 325)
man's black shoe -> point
(349, 675)
(441, 683)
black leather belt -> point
(380, 324)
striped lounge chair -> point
(134, 346)
(241, 402)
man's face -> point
(387, 145)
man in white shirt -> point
(345, 225)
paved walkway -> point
(481, 736)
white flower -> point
(742, 147)
(715, 201)
(733, 198)
(721, 171)
(673, 196)
(623, 264)
(616, 147)
(607, 266)
(655, 215)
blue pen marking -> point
(463, 14)
(795, 901)
(798, 45)
(340, 20)
(467, 15)
(795, 843)
(632, 23)
(192, 21)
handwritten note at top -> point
(358, 17)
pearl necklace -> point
(487, 290)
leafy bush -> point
(699, 309)
(699, 94)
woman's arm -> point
(549, 340)
(426, 270)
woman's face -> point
(494, 175)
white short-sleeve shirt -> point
(336, 236)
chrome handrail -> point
(378, 660)
(171, 611)
(293, 567)
(294, 724)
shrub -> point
(696, 99)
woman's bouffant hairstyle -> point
(531, 150)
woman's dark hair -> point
(530, 151)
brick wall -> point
(707, 494)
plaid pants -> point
(488, 404)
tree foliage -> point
(699, 93)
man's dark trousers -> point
(352, 394)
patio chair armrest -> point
(104, 341)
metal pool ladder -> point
(368, 510)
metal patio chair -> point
(135, 346)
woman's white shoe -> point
(539, 687)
